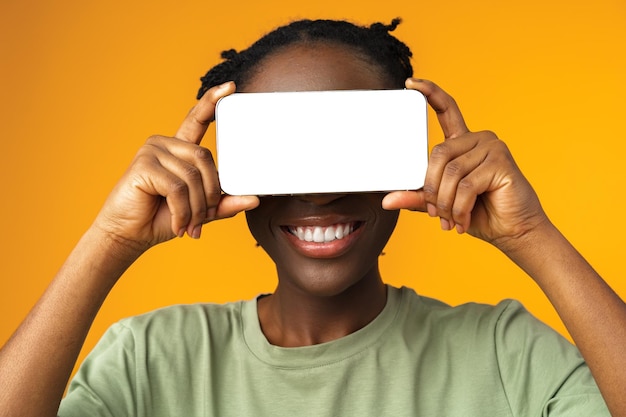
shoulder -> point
(537, 367)
(481, 316)
(184, 314)
(145, 339)
(187, 323)
(505, 328)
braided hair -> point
(375, 43)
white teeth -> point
(320, 234)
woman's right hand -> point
(171, 187)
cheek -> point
(260, 223)
(386, 219)
(387, 224)
(258, 228)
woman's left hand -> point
(472, 183)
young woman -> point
(332, 339)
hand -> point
(172, 186)
(472, 183)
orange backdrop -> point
(84, 83)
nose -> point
(319, 199)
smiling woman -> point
(316, 65)
(333, 338)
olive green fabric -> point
(419, 357)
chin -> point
(328, 282)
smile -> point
(323, 234)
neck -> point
(290, 317)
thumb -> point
(203, 113)
(230, 205)
(410, 200)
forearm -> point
(36, 363)
(593, 313)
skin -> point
(320, 297)
(171, 188)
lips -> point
(323, 234)
(323, 241)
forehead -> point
(317, 66)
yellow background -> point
(84, 83)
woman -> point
(332, 339)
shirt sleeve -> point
(543, 374)
(95, 392)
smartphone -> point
(340, 141)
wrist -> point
(106, 255)
(530, 248)
(544, 254)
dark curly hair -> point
(375, 43)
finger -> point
(438, 167)
(202, 114)
(448, 112)
(210, 180)
(491, 173)
(194, 191)
(201, 171)
(230, 205)
(455, 176)
(195, 165)
(410, 200)
(154, 179)
(469, 188)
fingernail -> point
(253, 202)
(181, 232)
(432, 210)
(196, 232)
(225, 85)
(445, 224)
(460, 229)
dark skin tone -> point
(171, 188)
(320, 298)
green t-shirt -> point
(419, 357)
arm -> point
(473, 185)
(171, 188)
(593, 313)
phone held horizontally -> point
(321, 142)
